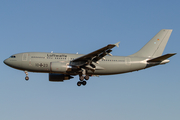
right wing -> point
(94, 56)
(98, 54)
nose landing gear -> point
(27, 77)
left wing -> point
(96, 55)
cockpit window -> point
(13, 56)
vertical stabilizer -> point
(156, 45)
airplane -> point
(63, 66)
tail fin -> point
(155, 47)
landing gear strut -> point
(26, 78)
(82, 77)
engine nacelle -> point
(59, 77)
(61, 67)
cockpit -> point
(13, 56)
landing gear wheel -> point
(86, 77)
(81, 78)
(79, 83)
(27, 78)
(84, 82)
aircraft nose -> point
(12, 62)
(6, 61)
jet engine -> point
(60, 67)
(59, 77)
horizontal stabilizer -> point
(161, 58)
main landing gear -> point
(81, 83)
(26, 78)
(82, 77)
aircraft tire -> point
(26, 78)
(79, 83)
(84, 83)
(81, 78)
(86, 77)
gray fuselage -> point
(42, 62)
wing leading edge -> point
(98, 54)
